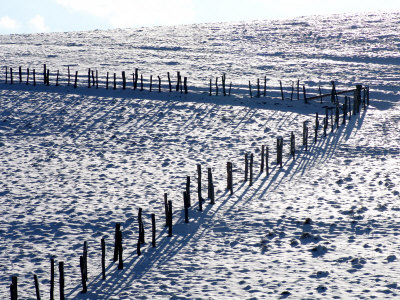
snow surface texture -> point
(75, 162)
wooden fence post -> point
(169, 218)
(14, 288)
(58, 73)
(279, 150)
(52, 273)
(85, 253)
(141, 227)
(89, 78)
(325, 121)
(292, 145)
(166, 208)
(97, 79)
(123, 80)
(251, 93)
(267, 160)
(141, 82)
(223, 84)
(136, 78)
(27, 76)
(291, 93)
(34, 77)
(280, 83)
(216, 86)
(76, 80)
(151, 83)
(178, 83)
(246, 166)
(185, 84)
(20, 74)
(316, 127)
(120, 250)
(153, 230)
(211, 194)
(337, 115)
(44, 74)
(169, 82)
(200, 198)
(258, 87)
(69, 77)
(6, 74)
(304, 93)
(210, 92)
(11, 76)
(103, 258)
(262, 159)
(37, 288)
(186, 206)
(48, 77)
(61, 279)
(116, 242)
(188, 191)
(159, 84)
(115, 81)
(82, 266)
(229, 185)
(251, 169)
(298, 89)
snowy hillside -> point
(76, 161)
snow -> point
(76, 161)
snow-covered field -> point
(76, 161)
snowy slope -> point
(76, 161)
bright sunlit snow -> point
(74, 162)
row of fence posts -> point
(93, 79)
(358, 100)
(181, 85)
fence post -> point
(69, 77)
(14, 288)
(115, 81)
(153, 230)
(123, 80)
(337, 115)
(82, 266)
(298, 89)
(229, 181)
(89, 78)
(304, 93)
(169, 218)
(251, 94)
(34, 77)
(61, 279)
(291, 94)
(166, 208)
(325, 121)
(223, 84)
(48, 77)
(279, 150)
(258, 87)
(251, 169)
(246, 167)
(262, 158)
(211, 194)
(85, 253)
(37, 288)
(169, 82)
(120, 250)
(188, 191)
(199, 187)
(292, 145)
(151, 83)
(52, 273)
(58, 73)
(103, 258)
(97, 79)
(159, 84)
(27, 76)
(141, 227)
(216, 86)
(107, 80)
(11, 76)
(6, 74)
(116, 244)
(316, 127)
(141, 82)
(186, 206)
(185, 84)
(280, 84)
(178, 81)
(76, 80)
(44, 74)
(210, 92)
(267, 160)
(136, 79)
